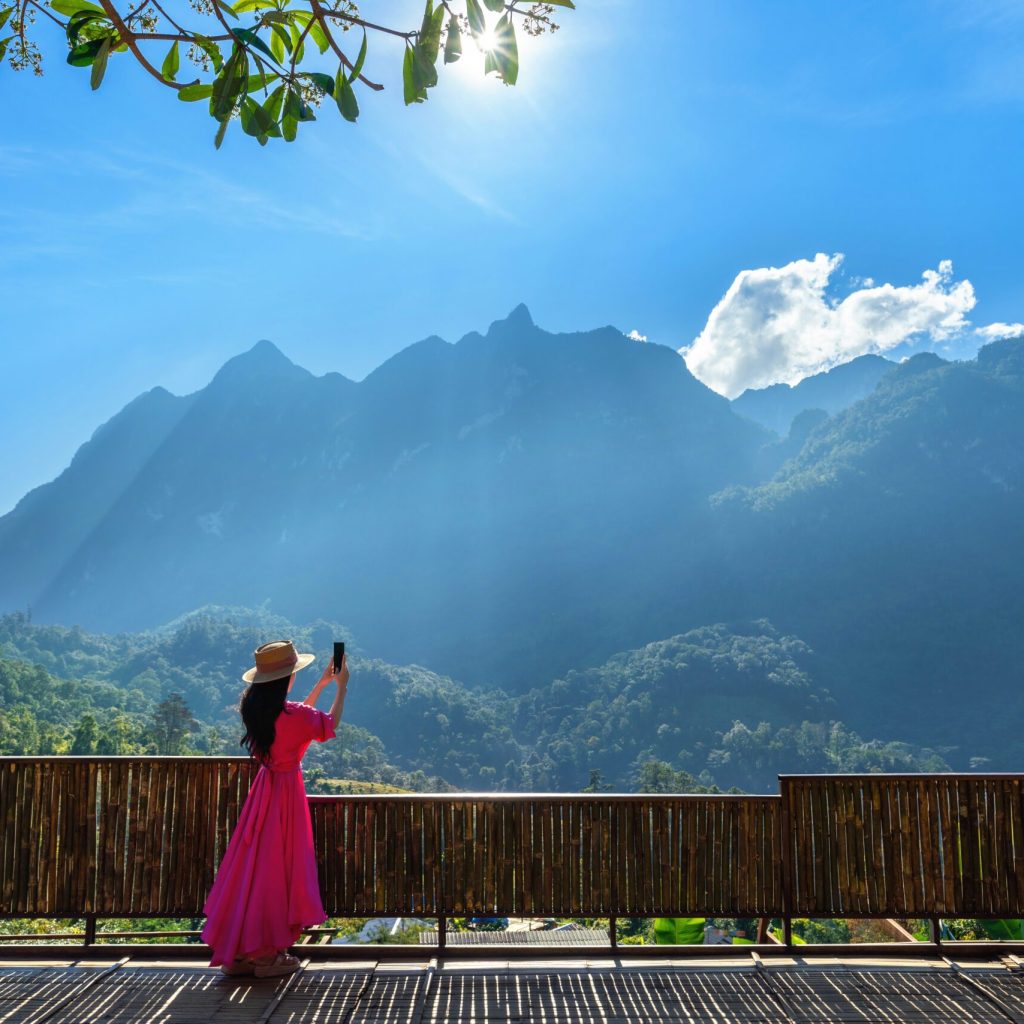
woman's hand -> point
(329, 675)
(341, 676)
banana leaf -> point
(679, 931)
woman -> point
(266, 890)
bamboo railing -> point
(142, 837)
(905, 845)
(558, 855)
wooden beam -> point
(892, 927)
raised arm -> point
(329, 676)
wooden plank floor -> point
(730, 991)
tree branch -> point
(178, 37)
(368, 24)
(128, 38)
(46, 11)
(164, 13)
(319, 13)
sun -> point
(488, 40)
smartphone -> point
(339, 653)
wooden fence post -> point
(787, 865)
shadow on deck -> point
(732, 990)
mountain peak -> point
(264, 352)
(520, 316)
(261, 361)
(518, 320)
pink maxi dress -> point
(266, 889)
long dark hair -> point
(260, 706)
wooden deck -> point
(733, 990)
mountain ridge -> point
(777, 405)
(522, 505)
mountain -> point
(776, 407)
(521, 506)
(893, 544)
(51, 522)
(468, 483)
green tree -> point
(19, 731)
(86, 734)
(258, 61)
(659, 777)
(172, 722)
(119, 736)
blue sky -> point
(653, 151)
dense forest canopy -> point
(657, 719)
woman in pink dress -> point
(266, 890)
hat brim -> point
(253, 676)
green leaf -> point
(477, 21)
(171, 62)
(325, 82)
(195, 91)
(360, 60)
(5, 13)
(503, 57)
(82, 55)
(78, 22)
(257, 122)
(317, 34)
(280, 42)
(495, 5)
(99, 65)
(250, 38)
(230, 84)
(227, 9)
(211, 49)
(297, 43)
(244, 6)
(453, 44)
(260, 81)
(4, 43)
(71, 7)
(411, 92)
(289, 128)
(429, 40)
(221, 130)
(296, 109)
(345, 96)
(423, 70)
(245, 115)
(273, 103)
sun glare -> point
(488, 40)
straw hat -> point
(276, 660)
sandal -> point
(239, 966)
(283, 963)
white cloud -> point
(635, 335)
(993, 331)
(780, 324)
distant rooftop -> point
(577, 936)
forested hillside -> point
(663, 717)
(893, 543)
